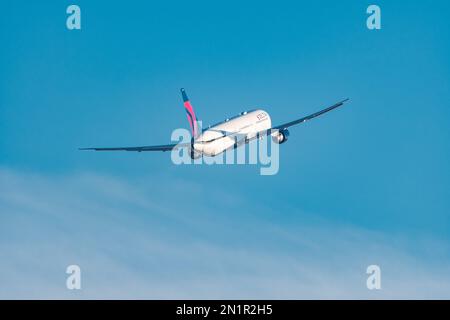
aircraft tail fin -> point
(193, 122)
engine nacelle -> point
(281, 136)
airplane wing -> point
(167, 147)
(284, 125)
(311, 116)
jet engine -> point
(281, 136)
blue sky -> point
(366, 184)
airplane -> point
(230, 133)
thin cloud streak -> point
(147, 239)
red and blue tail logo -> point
(190, 114)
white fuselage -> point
(226, 134)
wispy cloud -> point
(175, 239)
